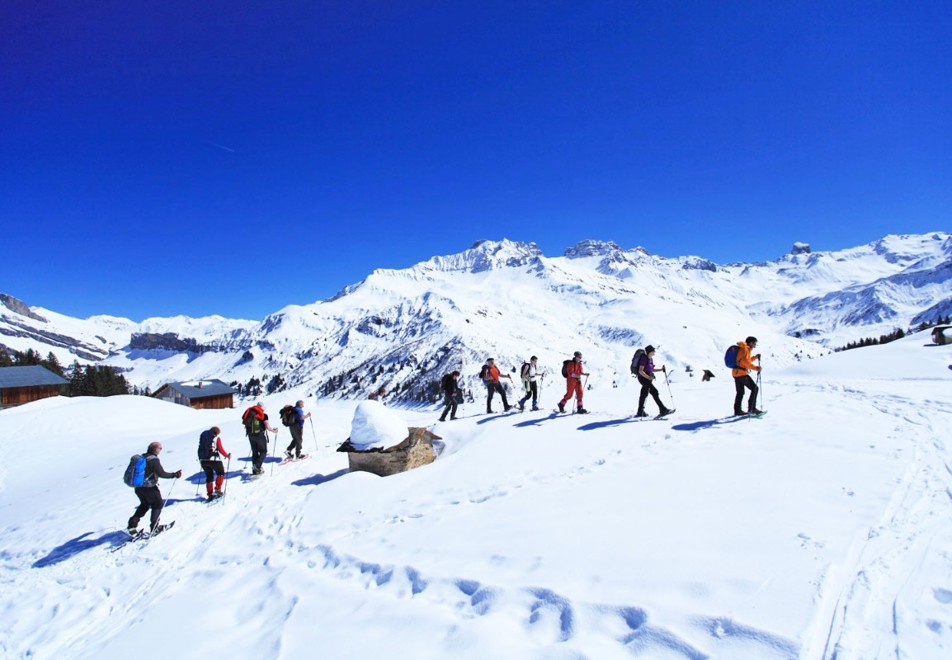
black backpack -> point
(484, 372)
(288, 415)
(637, 360)
(524, 372)
(565, 368)
(448, 384)
(205, 441)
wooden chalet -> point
(199, 394)
(942, 334)
(24, 384)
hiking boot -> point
(132, 531)
(581, 411)
(489, 411)
(506, 408)
(739, 413)
(641, 413)
(289, 454)
(664, 411)
(522, 406)
(561, 407)
(443, 419)
(452, 418)
(754, 411)
(535, 407)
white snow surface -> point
(821, 530)
(376, 427)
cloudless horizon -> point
(231, 159)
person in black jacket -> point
(210, 451)
(450, 388)
(149, 495)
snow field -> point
(819, 529)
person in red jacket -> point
(742, 380)
(574, 371)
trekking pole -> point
(314, 435)
(670, 394)
(171, 488)
(199, 480)
(760, 391)
(224, 490)
(266, 449)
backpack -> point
(484, 372)
(205, 441)
(524, 371)
(252, 423)
(636, 360)
(134, 475)
(565, 368)
(288, 415)
(448, 384)
(730, 356)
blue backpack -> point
(134, 475)
(730, 357)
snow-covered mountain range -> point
(403, 328)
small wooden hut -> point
(24, 384)
(415, 451)
(201, 394)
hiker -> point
(256, 428)
(574, 370)
(530, 376)
(378, 394)
(296, 427)
(148, 493)
(491, 377)
(743, 365)
(210, 451)
(646, 377)
(450, 387)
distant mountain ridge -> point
(403, 328)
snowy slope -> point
(820, 530)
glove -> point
(178, 475)
(758, 356)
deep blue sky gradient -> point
(234, 157)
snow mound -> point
(376, 426)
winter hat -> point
(649, 349)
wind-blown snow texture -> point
(403, 329)
(820, 530)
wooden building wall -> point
(216, 402)
(15, 396)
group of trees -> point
(898, 333)
(84, 380)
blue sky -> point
(234, 157)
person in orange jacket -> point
(744, 364)
(574, 371)
(491, 378)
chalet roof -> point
(191, 389)
(28, 377)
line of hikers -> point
(738, 357)
(145, 471)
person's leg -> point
(643, 395)
(739, 394)
(156, 503)
(140, 510)
(752, 399)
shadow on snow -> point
(79, 544)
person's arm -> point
(159, 471)
(221, 449)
